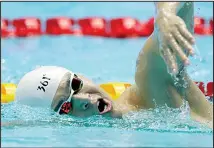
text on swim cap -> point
(43, 83)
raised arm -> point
(161, 77)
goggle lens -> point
(76, 85)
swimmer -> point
(160, 79)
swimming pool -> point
(107, 60)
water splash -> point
(197, 53)
(161, 119)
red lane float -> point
(146, 28)
(201, 28)
(211, 23)
(4, 27)
(209, 91)
(211, 26)
(59, 26)
(5, 32)
(93, 26)
(124, 27)
(201, 86)
(199, 20)
(25, 27)
(199, 24)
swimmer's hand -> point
(175, 41)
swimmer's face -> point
(89, 100)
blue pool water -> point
(107, 60)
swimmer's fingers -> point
(170, 60)
(176, 48)
(183, 42)
(185, 33)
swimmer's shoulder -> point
(132, 97)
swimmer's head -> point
(89, 100)
(38, 87)
(64, 91)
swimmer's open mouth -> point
(103, 105)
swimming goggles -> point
(75, 86)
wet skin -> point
(161, 61)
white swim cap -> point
(38, 87)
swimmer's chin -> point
(113, 112)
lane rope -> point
(114, 89)
(123, 27)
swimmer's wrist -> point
(166, 7)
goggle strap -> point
(72, 91)
(70, 96)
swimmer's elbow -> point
(204, 120)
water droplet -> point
(2, 61)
